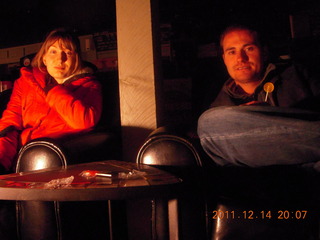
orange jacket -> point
(72, 107)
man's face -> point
(242, 56)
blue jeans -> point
(257, 136)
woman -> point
(58, 96)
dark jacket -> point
(293, 87)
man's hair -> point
(233, 28)
(65, 38)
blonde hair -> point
(66, 39)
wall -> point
(88, 49)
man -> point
(265, 114)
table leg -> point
(173, 219)
(152, 219)
(110, 220)
(160, 219)
(117, 218)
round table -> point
(104, 180)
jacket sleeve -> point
(10, 123)
(80, 106)
(302, 88)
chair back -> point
(40, 154)
(173, 152)
(163, 148)
(36, 219)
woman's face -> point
(59, 61)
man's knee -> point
(219, 118)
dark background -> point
(193, 23)
(25, 22)
(28, 21)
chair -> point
(175, 154)
(4, 99)
(56, 220)
(276, 202)
(235, 203)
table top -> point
(103, 180)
